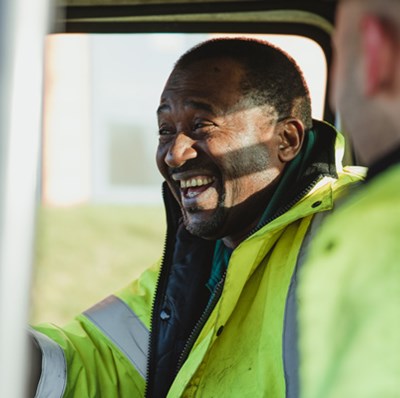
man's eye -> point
(202, 126)
(165, 131)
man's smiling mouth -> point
(194, 185)
(196, 182)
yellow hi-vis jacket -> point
(245, 344)
(349, 322)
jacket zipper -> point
(201, 322)
(160, 283)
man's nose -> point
(180, 151)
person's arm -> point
(103, 349)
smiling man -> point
(220, 152)
(246, 170)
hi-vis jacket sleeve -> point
(103, 351)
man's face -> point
(347, 94)
(217, 153)
(345, 56)
(362, 48)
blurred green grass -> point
(84, 253)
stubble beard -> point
(206, 229)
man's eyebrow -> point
(190, 103)
(200, 105)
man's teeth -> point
(196, 182)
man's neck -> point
(234, 241)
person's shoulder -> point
(380, 196)
(384, 186)
(366, 225)
(358, 242)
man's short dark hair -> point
(272, 77)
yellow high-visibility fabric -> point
(349, 292)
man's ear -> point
(378, 53)
(291, 136)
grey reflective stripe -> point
(54, 368)
(290, 329)
(122, 326)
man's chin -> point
(204, 227)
